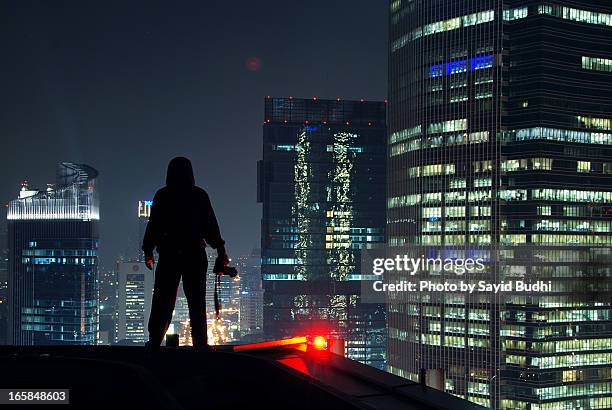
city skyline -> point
(405, 203)
(139, 86)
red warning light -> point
(319, 343)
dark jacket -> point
(182, 217)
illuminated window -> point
(544, 210)
(480, 210)
(541, 163)
(454, 212)
(454, 196)
(513, 194)
(404, 134)
(432, 213)
(284, 148)
(458, 97)
(456, 67)
(516, 14)
(436, 70)
(462, 66)
(596, 64)
(454, 341)
(581, 16)
(480, 63)
(448, 126)
(483, 77)
(433, 169)
(458, 82)
(569, 375)
(511, 165)
(583, 166)
(479, 196)
(556, 134)
(483, 94)
(595, 123)
(437, 85)
(483, 181)
(571, 195)
(477, 137)
(457, 183)
(482, 166)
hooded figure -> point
(182, 222)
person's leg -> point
(167, 278)
(194, 285)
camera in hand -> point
(220, 267)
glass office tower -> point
(500, 136)
(53, 261)
(321, 183)
(251, 296)
(135, 296)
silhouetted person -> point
(181, 224)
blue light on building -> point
(461, 66)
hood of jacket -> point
(180, 173)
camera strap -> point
(217, 301)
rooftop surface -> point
(177, 378)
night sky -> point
(124, 86)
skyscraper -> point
(144, 212)
(3, 287)
(251, 296)
(321, 182)
(108, 302)
(53, 260)
(135, 295)
(500, 135)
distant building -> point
(135, 294)
(3, 286)
(144, 212)
(108, 306)
(3, 297)
(251, 296)
(53, 260)
(321, 182)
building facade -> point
(251, 296)
(53, 261)
(108, 302)
(500, 136)
(321, 182)
(135, 296)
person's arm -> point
(212, 234)
(151, 236)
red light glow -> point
(319, 343)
